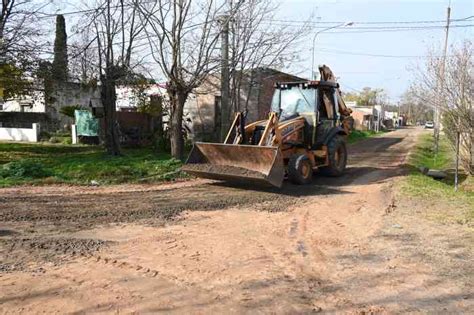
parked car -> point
(429, 125)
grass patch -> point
(358, 135)
(58, 163)
(424, 154)
(456, 206)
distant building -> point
(128, 100)
(28, 103)
(61, 95)
(373, 117)
(201, 112)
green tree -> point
(12, 81)
(367, 97)
(60, 62)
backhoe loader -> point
(306, 131)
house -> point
(128, 99)
(392, 120)
(364, 117)
(258, 86)
(373, 117)
(253, 93)
(26, 104)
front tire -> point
(300, 170)
(337, 156)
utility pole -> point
(441, 83)
(2, 64)
(225, 77)
(456, 173)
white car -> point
(429, 125)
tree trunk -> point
(178, 99)
(158, 130)
(108, 98)
(157, 105)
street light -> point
(319, 32)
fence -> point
(25, 120)
(20, 134)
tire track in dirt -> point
(286, 262)
(72, 211)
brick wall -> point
(257, 90)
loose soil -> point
(341, 245)
(227, 170)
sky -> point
(341, 51)
(363, 59)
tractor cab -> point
(315, 101)
(298, 98)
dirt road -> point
(344, 245)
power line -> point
(45, 15)
(389, 30)
(381, 28)
(278, 21)
(375, 29)
(375, 22)
(343, 52)
(349, 87)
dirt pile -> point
(73, 212)
(222, 169)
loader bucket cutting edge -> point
(238, 163)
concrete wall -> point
(71, 94)
(20, 134)
(201, 110)
(26, 120)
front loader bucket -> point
(238, 163)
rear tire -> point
(337, 156)
(300, 170)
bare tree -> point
(116, 29)
(413, 107)
(20, 42)
(455, 98)
(256, 43)
(183, 37)
(83, 59)
(458, 111)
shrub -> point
(69, 110)
(55, 140)
(24, 169)
(44, 136)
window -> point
(327, 99)
(293, 101)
